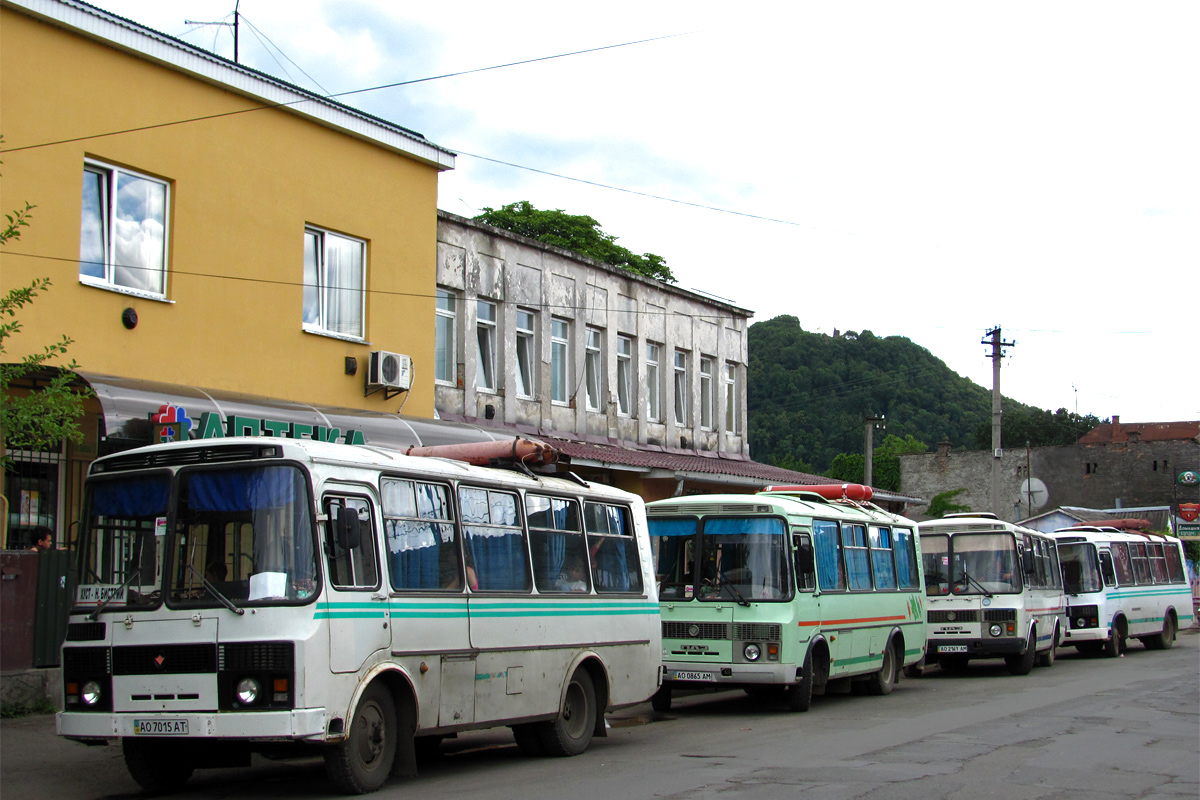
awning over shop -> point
(138, 412)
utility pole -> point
(870, 424)
(998, 344)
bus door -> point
(356, 607)
(430, 619)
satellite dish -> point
(1033, 493)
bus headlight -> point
(247, 691)
(752, 652)
(90, 693)
(995, 630)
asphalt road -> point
(1086, 728)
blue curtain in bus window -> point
(499, 558)
(131, 497)
(413, 546)
(826, 545)
(612, 561)
(906, 562)
(240, 490)
(858, 568)
(881, 558)
(673, 532)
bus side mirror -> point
(348, 528)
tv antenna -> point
(233, 25)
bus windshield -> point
(1080, 568)
(735, 559)
(970, 564)
(241, 535)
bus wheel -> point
(799, 696)
(157, 767)
(571, 733)
(360, 763)
(1163, 640)
(1046, 659)
(1022, 663)
(661, 700)
(884, 681)
(1115, 644)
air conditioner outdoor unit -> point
(389, 371)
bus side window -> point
(1106, 568)
(350, 544)
(805, 558)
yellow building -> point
(206, 226)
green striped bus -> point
(792, 591)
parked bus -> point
(994, 590)
(1121, 585)
(790, 591)
(279, 594)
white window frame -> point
(560, 361)
(526, 353)
(593, 369)
(680, 382)
(445, 356)
(653, 407)
(485, 345)
(707, 397)
(317, 286)
(731, 411)
(108, 254)
(624, 376)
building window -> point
(731, 409)
(444, 351)
(624, 376)
(334, 283)
(706, 393)
(123, 231)
(594, 368)
(652, 409)
(560, 352)
(485, 336)
(681, 388)
(526, 325)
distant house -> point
(1116, 465)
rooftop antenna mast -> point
(233, 25)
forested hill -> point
(809, 392)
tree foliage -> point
(39, 420)
(1036, 427)
(575, 232)
(885, 463)
(807, 394)
(943, 504)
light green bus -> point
(792, 591)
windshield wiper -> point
(215, 592)
(736, 594)
(108, 600)
(978, 585)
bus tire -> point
(661, 700)
(883, 681)
(571, 731)
(1115, 644)
(799, 696)
(1046, 659)
(157, 766)
(1163, 639)
(361, 762)
(1022, 663)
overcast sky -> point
(922, 169)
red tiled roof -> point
(1117, 431)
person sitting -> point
(43, 539)
(573, 577)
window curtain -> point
(131, 498)
(905, 561)
(826, 545)
(343, 285)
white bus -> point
(994, 590)
(788, 592)
(279, 594)
(1122, 585)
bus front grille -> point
(1000, 615)
(695, 630)
(760, 631)
(966, 615)
(171, 659)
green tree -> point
(1036, 427)
(43, 418)
(943, 504)
(575, 232)
(885, 463)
